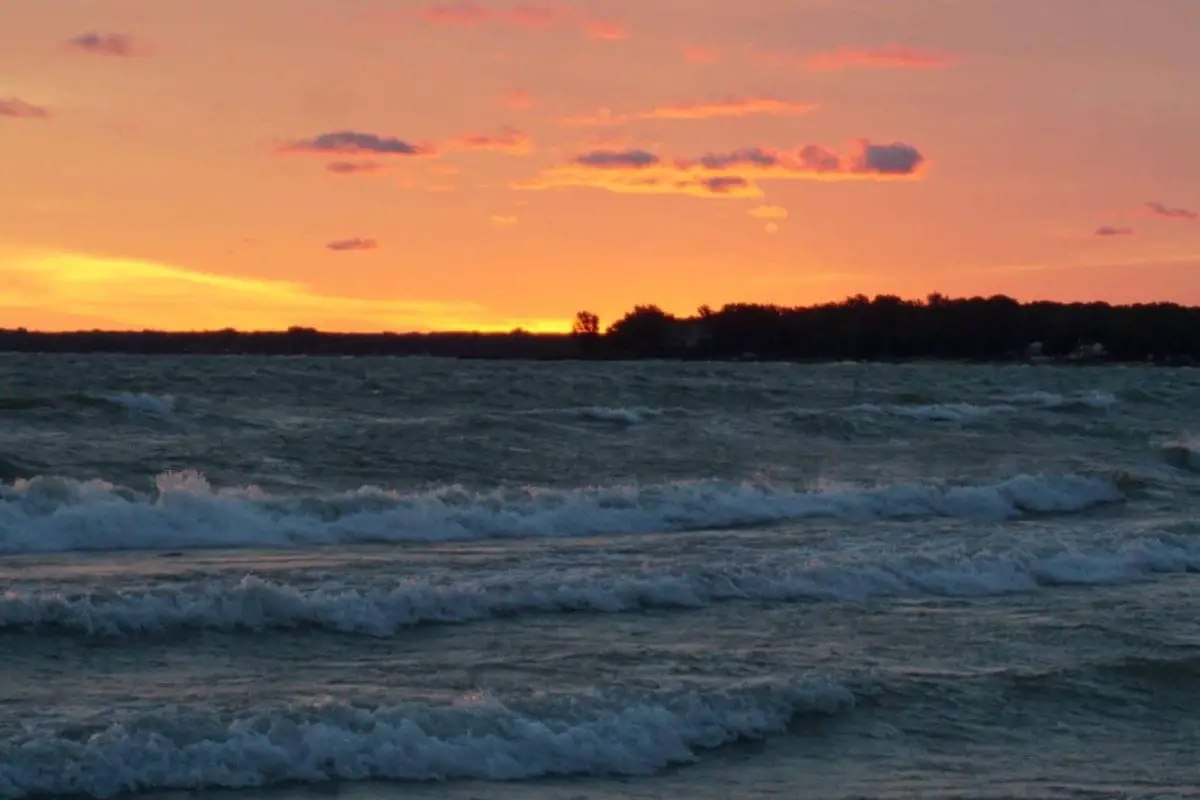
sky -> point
(373, 165)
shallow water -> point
(441, 579)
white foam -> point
(579, 735)
(255, 604)
(58, 514)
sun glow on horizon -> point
(125, 293)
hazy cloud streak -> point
(745, 107)
(526, 16)
(17, 108)
(1160, 210)
(354, 143)
(118, 45)
(356, 243)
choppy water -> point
(430, 579)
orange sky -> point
(395, 164)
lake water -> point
(235, 577)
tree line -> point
(889, 327)
(858, 328)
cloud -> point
(617, 159)
(501, 221)
(745, 107)
(1109, 230)
(771, 227)
(768, 212)
(354, 143)
(518, 100)
(353, 167)
(726, 184)
(731, 174)
(18, 108)
(1160, 210)
(118, 45)
(694, 54)
(135, 294)
(357, 243)
(510, 141)
(527, 16)
(844, 58)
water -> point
(427, 579)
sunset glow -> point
(396, 164)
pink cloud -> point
(117, 45)
(510, 141)
(526, 16)
(844, 58)
(891, 57)
(1109, 230)
(463, 15)
(518, 100)
(695, 54)
(744, 107)
(18, 108)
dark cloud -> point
(1160, 210)
(119, 45)
(737, 173)
(353, 143)
(890, 159)
(357, 243)
(1110, 230)
(16, 107)
(618, 159)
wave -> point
(1083, 401)
(1182, 454)
(140, 402)
(919, 408)
(934, 412)
(54, 514)
(256, 604)
(624, 416)
(479, 738)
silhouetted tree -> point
(586, 324)
(644, 331)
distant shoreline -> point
(460, 346)
(886, 329)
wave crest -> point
(48, 514)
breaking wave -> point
(480, 738)
(1182, 454)
(50, 514)
(255, 604)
